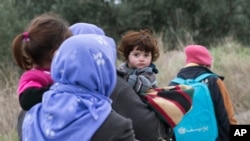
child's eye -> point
(136, 54)
(146, 54)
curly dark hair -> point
(143, 40)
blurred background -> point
(222, 26)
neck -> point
(44, 66)
(191, 64)
(194, 64)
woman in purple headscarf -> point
(78, 103)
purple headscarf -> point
(85, 28)
(84, 73)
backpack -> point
(199, 124)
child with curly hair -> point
(139, 50)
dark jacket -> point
(147, 126)
(115, 128)
(221, 100)
(31, 97)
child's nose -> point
(141, 58)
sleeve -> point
(33, 78)
(219, 108)
(23, 85)
(147, 126)
(227, 102)
(31, 97)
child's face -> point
(139, 59)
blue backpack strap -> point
(178, 80)
(203, 76)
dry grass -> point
(230, 60)
(8, 101)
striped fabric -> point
(170, 103)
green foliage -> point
(178, 22)
(11, 24)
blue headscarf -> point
(78, 103)
(85, 28)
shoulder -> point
(35, 76)
(122, 90)
(115, 127)
(120, 121)
(216, 77)
(33, 73)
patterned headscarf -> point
(84, 73)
